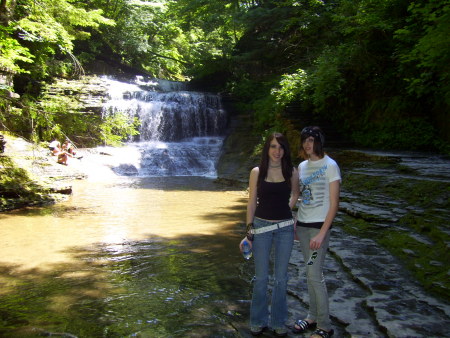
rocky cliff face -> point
(238, 156)
(86, 94)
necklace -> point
(275, 166)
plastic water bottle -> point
(246, 250)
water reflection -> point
(136, 257)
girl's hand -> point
(316, 242)
(245, 239)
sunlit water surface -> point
(148, 257)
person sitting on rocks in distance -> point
(62, 155)
(70, 149)
(67, 146)
(2, 143)
(53, 145)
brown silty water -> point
(148, 256)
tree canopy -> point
(377, 69)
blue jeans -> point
(319, 311)
(282, 240)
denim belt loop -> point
(272, 227)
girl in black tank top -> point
(273, 192)
(273, 201)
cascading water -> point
(181, 132)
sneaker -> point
(302, 325)
(322, 333)
(257, 330)
(281, 332)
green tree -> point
(378, 69)
(37, 40)
(46, 31)
(424, 54)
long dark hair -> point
(286, 161)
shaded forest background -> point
(377, 70)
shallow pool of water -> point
(148, 257)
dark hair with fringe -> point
(286, 161)
(319, 140)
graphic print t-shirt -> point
(315, 179)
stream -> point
(128, 257)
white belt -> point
(272, 227)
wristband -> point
(250, 236)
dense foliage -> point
(376, 70)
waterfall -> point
(181, 131)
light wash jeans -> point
(282, 241)
(319, 311)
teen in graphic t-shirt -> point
(320, 180)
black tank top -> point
(273, 201)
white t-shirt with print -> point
(315, 178)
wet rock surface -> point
(39, 161)
(44, 181)
(392, 300)
(399, 306)
(88, 93)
